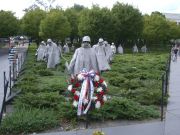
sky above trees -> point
(167, 6)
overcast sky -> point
(145, 6)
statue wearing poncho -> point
(53, 55)
(144, 49)
(108, 51)
(120, 49)
(113, 47)
(66, 48)
(41, 51)
(72, 48)
(84, 57)
(101, 56)
(135, 49)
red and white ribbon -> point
(87, 91)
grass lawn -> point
(134, 85)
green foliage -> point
(96, 23)
(9, 24)
(128, 22)
(98, 133)
(134, 88)
(31, 22)
(137, 78)
(66, 111)
(53, 83)
(72, 16)
(55, 26)
(45, 72)
(122, 108)
(25, 121)
(39, 100)
(157, 29)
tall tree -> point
(31, 22)
(72, 16)
(156, 28)
(78, 7)
(174, 31)
(128, 22)
(96, 23)
(55, 26)
(9, 24)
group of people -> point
(51, 52)
(95, 58)
(143, 49)
(120, 49)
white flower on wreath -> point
(104, 83)
(77, 93)
(104, 98)
(85, 101)
(98, 104)
(80, 77)
(96, 78)
(94, 98)
(99, 89)
(75, 103)
(70, 87)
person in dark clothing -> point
(175, 52)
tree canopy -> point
(157, 29)
(121, 24)
(96, 23)
(55, 26)
(128, 22)
(9, 24)
(31, 22)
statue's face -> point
(100, 43)
(49, 43)
(86, 44)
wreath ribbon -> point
(87, 91)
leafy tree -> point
(96, 23)
(174, 30)
(78, 7)
(31, 22)
(55, 26)
(9, 24)
(72, 16)
(156, 28)
(158, 13)
(128, 22)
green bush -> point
(117, 81)
(58, 87)
(25, 121)
(45, 72)
(27, 88)
(134, 79)
(39, 100)
(66, 111)
(28, 78)
(122, 108)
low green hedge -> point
(24, 121)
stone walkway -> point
(4, 66)
(154, 128)
(172, 121)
